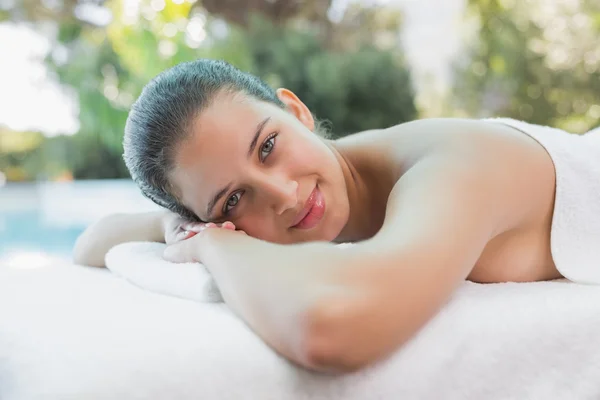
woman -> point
(430, 203)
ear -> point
(295, 106)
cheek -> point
(257, 226)
(306, 156)
(253, 225)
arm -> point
(340, 309)
(93, 244)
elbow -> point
(83, 252)
(322, 357)
(337, 340)
(89, 249)
(80, 251)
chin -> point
(315, 235)
(332, 235)
(336, 223)
(328, 232)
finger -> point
(189, 234)
(180, 236)
(193, 226)
(183, 235)
(228, 225)
(199, 227)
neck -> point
(360, 224)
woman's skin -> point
(430, 203)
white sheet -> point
(70, 332)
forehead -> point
(216, 149)
(228, 116)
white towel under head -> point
(575, 232)
(141, 263)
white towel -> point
(141, 263)
(71, 332)
(575, 232)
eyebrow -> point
(215, 199)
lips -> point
(312, 212)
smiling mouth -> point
(313, 211)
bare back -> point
(520, 253)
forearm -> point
(278, 290)
(93, 244)
(326, 308)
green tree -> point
(277, 11)
(350, 72)
(533, 61)
(355, 88)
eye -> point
(267, 147)
(232, 202)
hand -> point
(193, 228)
(172, 227)
(188, 247)
(176, 228)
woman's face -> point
(263, 168)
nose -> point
(282, 193)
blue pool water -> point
(26, 231)
(43, 220)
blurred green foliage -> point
(365, 88)
(354, 84)
(534, 60)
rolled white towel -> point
(141, 263)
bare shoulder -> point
(508, 162)
(489, 146)
(502, 160)
(411, 141)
